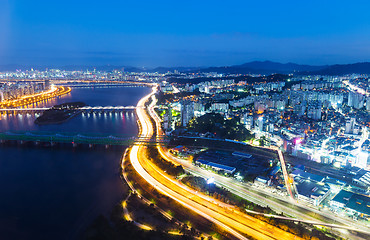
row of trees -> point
(222, 194)
(165, 165)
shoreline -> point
(98, 158)
(58, 122)
(60, 91)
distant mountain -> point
(264, 67)
(172, 69)
(275, 66)
(342, 69)
(268, 67)
(256, 67)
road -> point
(29, 99)
(298, 211)
(225, 216)
(285, 174)
(355, 88)
(264, 198)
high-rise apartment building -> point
(187, 112)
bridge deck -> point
(88, 108)
(78, 138)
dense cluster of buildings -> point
(78, 75)
(354, 204)
(14, 90)
(317, 118)
(315, 111)
(322, 119)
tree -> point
(222, 128)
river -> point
(53, 192)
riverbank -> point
(65, 188)
(35, 98)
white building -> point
(220, 107)
(187, 112)
(260, 124)
(361, 160)
(247, 120)
(356, 100)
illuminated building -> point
(220, 107)
(356, 100)
(354, 204)
(187, 112)
(361, 160)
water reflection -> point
(65, 188)
(117, 123)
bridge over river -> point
(83, 109)
(78, 138)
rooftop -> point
(303, 174)
(216, 165)
(309, 188)
(354, 201)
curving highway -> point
(290, 206)
(225, 216)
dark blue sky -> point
(183, 33)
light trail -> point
(201, 210)
(256, 195)
(228, 219)
(164, 213)
(355, 88)
(30, 99)
(146, 131)
(285, 173)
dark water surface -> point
(55, 192)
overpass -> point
(79, 138)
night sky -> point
(183, 33)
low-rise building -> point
(311, 191)
(354, 204)
(216, 166)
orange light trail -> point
(30, 99)
(225, 216)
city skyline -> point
(192, 34)
(185, 120)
